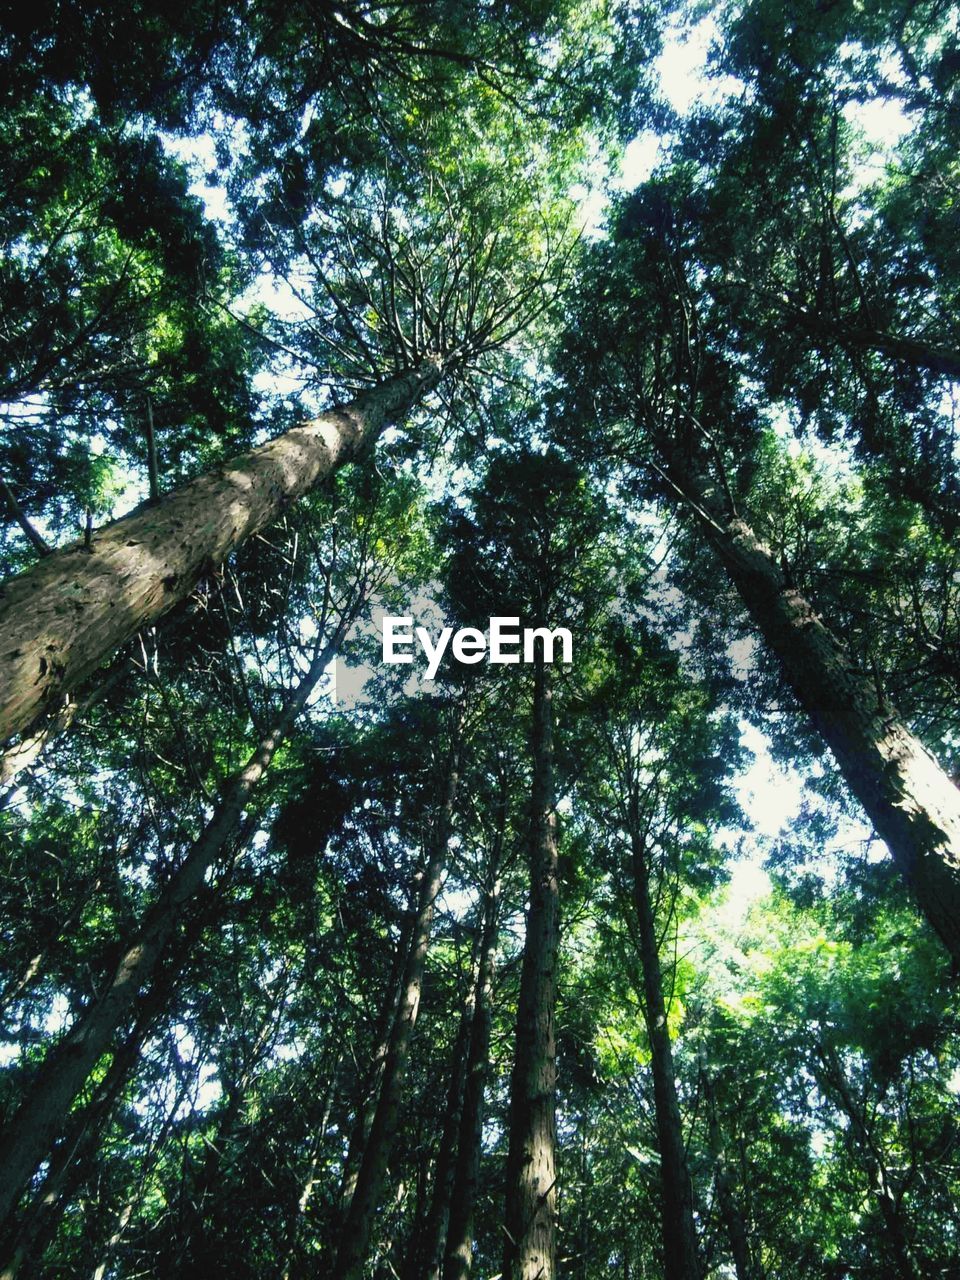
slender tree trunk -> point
(64, 617)
(358, 1224)
(24, 753)
(912, 803)
(458, 1251)
(370, 1092)
(428, 1253)
(681, 1261)
(70, 1162)
(530, 1251)
(733, 1223)
(30, 1132)
(834, 1083)
(295, 1225)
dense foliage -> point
(643, 964)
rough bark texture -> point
(29, 1134)
(530, 1251)
(912, 803)
(72, 610)
(681, 1261)
(361, 1216)
(921, 355)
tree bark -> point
(458, 1250)
(30, 1132)
(60, 620)
(912, 803)
(370, 1090)
(733, 1223)
(681, 1260)
(359, 1221)
(429, 1253)
(530, 1250)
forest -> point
(631, 327)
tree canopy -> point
(628, 943)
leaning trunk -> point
(530, 1251)
(64, 617)
(371, 1176)
(679, 1234)
(913, 805)
(31, 1130)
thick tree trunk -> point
(530, 1251)
(681, 1261)
(29, 1134)
(361, 1216)
(911, 351)
(458, 1251)
(912, 803)
(72, 610)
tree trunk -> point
(70, 1161)
(458, 1251)
(29, 1134)
(360, 1217)
(295, 1224)
(833, 1082)
(912, 803)
(429, 1254)
(681, 1261)
(370, 1090)
(64, 617)
(530, 1251)
(733, 1223)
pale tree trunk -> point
(26, 751)
(30, 1132)
(910, 800)
(458, 1250)
(530, 1251)
(681, 1261)
(358, 1224)
(295, 1225)
(64, 617)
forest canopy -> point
(629, 331)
